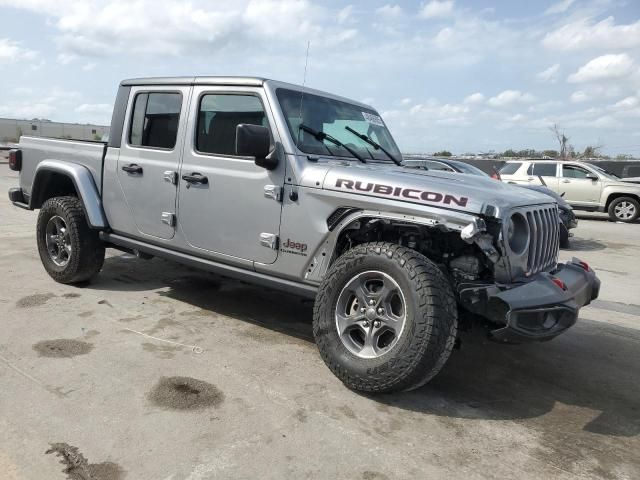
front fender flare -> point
(323, 256)
(84, 185)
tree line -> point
(565, 150)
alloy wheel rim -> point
(370, 314)
(58, 241)
(625, 210)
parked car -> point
(583, 185)
(300, 190)
(565, 212)
(445, 165)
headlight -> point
(518, 233)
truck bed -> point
(36, 149)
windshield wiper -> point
(374, 144)
(321, 136)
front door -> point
(577, 188)
(224, 206)
(147, 167)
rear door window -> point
(155, 120)
(542, 169)
(510, 168)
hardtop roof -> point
(233, 81)
(203, 80)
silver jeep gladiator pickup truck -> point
(304, 191)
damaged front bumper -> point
(539, 309)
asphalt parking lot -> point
(157, 371)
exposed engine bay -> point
(464, 260)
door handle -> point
(132, 168)
(566, 181)
(195, 178)
(530, 179)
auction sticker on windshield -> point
(373, 119)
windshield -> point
(604, 172)
(331, 116)
(470, 169)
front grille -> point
(544, 238)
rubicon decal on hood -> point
(401, 192)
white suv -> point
(583, 185)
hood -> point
(631, 180)
(468, 193)
(547, 191)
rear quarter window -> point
(510, 168)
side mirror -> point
(592, 177)
(254, 141)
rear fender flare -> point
(83, 183)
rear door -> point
(577, 188)
(509, 173)
(548, 171)
(150, 156)
(225, 206)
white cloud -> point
(584, 34)
(27, 110)
(96, 28)
(11, 51)
(510, 97)
(94, 108)
(442, 114)
(603, 67)
(579, 97)
(544, 106)
(627, 103)
(559, 7)
(390, 11)
(550, 74)
(474, 98)
(470, 39)
(605, 121)
(405, 101)
(344, 14)
(437, 8)
(66, 58)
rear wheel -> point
(624, 209)
(385, 318)
(69, 250)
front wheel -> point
(385, 318)
(624, 209)
(69, 250)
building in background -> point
(11, 130)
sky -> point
(466, 76)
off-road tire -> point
(87, 254)
(430, 327)
(564, 237)
(617, 201)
